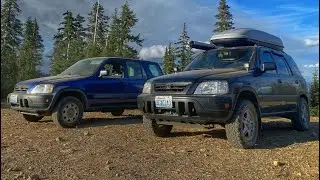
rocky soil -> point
(105, 147)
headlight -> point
(42, 89)
(212, 87)
(146, 88)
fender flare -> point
(67, 89)
(249, 89)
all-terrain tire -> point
(31, 118)
(155, 129)
(301, 119)
(117, 113)
(68, 112)
(245, 120)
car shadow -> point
(123, 120)
(274, 135)
(282, 134)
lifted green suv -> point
(242, 76)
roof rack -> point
(246, 37)
(201, 45)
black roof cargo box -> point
(246, 37)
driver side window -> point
(116, 69)
(267, 57)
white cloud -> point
(311, 42)
(311, 65)
(156, 51)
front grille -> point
(20, 88)
(170, 87)
(178, 109)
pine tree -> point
(67, 43)
(77, 50)
(314, 93)
(112, 44)
(120, 35)
(224, 18)
(31, 52)
(11, 32)
(183, 51)
(97, 30)
(168, 61)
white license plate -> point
(163, 101)
(14, 99)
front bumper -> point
(189, 108)
(38, 104)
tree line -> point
(22, 46)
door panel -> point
(108, 91)
(268, 87)
(134, 81)
(288, 86)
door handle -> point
(279, 81)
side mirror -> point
(268, 66)
(175, 70)
(104, 73)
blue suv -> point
(94, 84)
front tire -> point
(243, 130)
(301, 119)
(155, 129)
(68, 112)
(31, 118)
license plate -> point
(14, 99)
(163, 101)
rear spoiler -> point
(201, 45)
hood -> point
(196, 75)
(49, 80)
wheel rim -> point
(248, 126)
(304, 114)
(70, 113)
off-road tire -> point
(234, 129)
(31, 118)
(117, 113)
(155, 129)
(298, 120)
(59, 116)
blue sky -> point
(160, 22)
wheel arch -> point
(73, 93)
(251, 95)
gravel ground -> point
(105, 147)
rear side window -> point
(281, 65)
(134, 70)
(267, 57)
(293, 66)
(155, 70)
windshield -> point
(84, 67)
(238, 58)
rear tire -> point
(243, 131)
(155, 129)
(68, 112)
(31, 118)
(117, 113)
(301, 119)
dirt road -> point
(118, 148)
